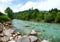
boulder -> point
(18, 39)
(8, 32)
(5, 38)
(33, 38)
(33, 32)
(25, 38)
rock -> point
(26, 25)
(11, 38)
(12, 41)
(44, 41)
(25, 38)
(1, 34)
(33, 32)
(18, 39)
(18, 33)
(1, 30)
(33, 38)
(5, 38)
(9, 23)
(8, 32)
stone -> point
(5, 38)
(12, 40)
(26, 25)
(18, 39)
(33, 38)
(1, 30)
(1, 34)
(8, 32)
(25, 38)
(44, 41)
(33, 32)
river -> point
(47, 30)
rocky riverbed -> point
(9, 34)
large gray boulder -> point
(8, 32)
(25, 39)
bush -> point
(4, 18)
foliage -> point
(52, 15)
(9, 12)
(4, 18)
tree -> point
(1, 13)
(57, 18)
(48, 17)
(55, 10)
(9, 12)
(4, 17)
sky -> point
(21, 5)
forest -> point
(51, 16)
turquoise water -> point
(48, 31)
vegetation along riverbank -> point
(51, 16)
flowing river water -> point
(49, 31)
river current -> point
(49, 31)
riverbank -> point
(9, 34)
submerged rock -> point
(33, 32)
(26, 25)
(44, 41)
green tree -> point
(3, 17)
(9, 12)
(48, 17)
(57, 18)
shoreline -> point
(9, 34)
